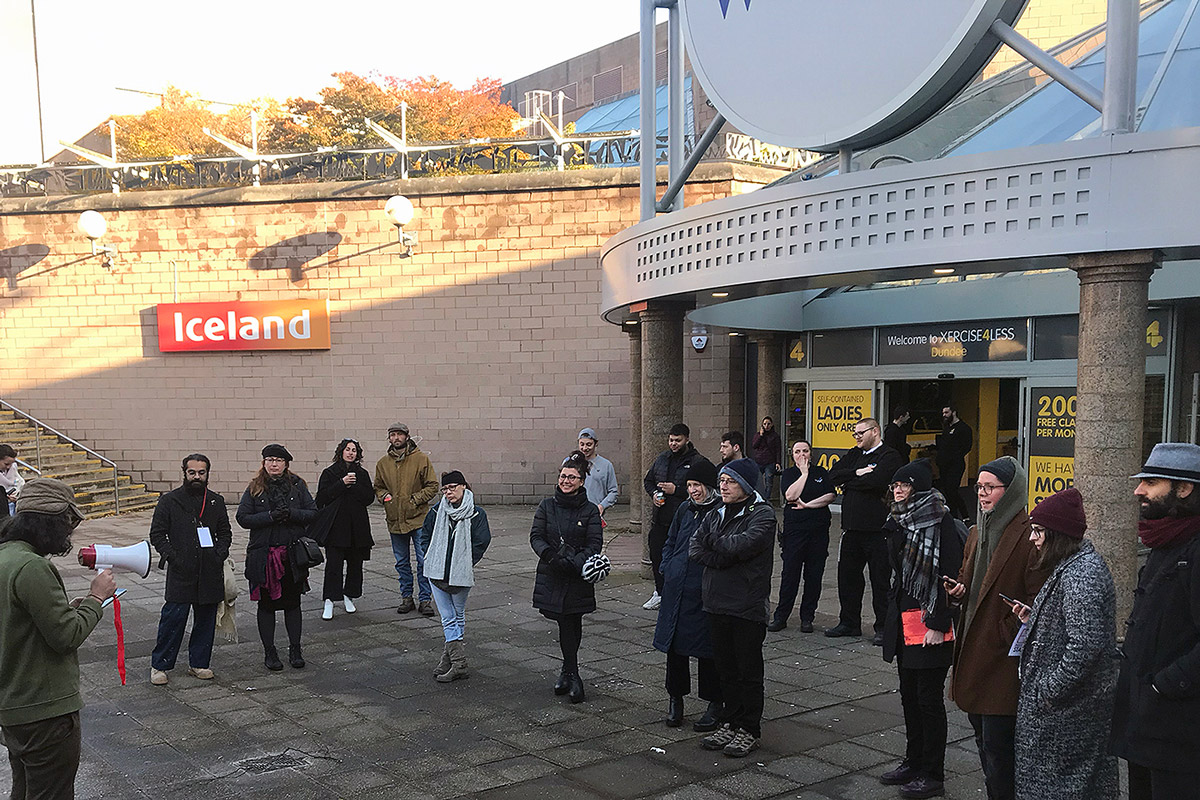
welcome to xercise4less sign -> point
(824, 74)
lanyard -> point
(203, 500)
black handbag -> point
(306, 553)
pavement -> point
(365, 719)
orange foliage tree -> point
(176, 127)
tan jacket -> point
(412, 485)
(984, 679)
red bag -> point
(914, 628)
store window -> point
(847, 348)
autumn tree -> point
(437, 112)
(176, 127)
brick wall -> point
(488, 342)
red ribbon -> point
(120, 638)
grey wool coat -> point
(1068, 677)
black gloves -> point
(281, 514)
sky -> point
(236, 51)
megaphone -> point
(134, 558)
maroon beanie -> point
(1061, 512)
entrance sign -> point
(1051, 441)
(954, 342)
(835, 412)
(821, 75)
(235, 325)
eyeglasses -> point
(569, 478)
(1037, 529)
(863, 432)
(450, 487)
(274, 460)
(723, 481)
(899, 484)
(986, 488)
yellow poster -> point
(1047, 475)
(834, 414)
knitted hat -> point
(1004, 468)
(1175, 461)
(745, 472)
(1061, 512)
(919, 474)
(398, 426)
(587, 433)
(453, 476)
(703, 471)
(48, 496)
(276, 451)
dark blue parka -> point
(682, 621)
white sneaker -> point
(328, 612)
(158, 677)
(349, 604)
(654, 602)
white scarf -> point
(451, 541)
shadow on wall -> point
(15, 260)
(497, 376)
(292, 254)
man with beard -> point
(953, 445)
(405, 483)
(666, 483)
(191, 533)
(40, 631)
(1156, 722)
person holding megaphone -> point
(40, 632)
(191, 533)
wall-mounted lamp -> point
(399, 210)
(93, 226)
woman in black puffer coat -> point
(566, 532)
(346, 490)
(275, 508)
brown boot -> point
(458, 663)
(443, 666)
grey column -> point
(637, 498)
(1113, 290)
(770, 377)
(662, 390)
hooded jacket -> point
(407, 475)
(736, 547)
(670, 468)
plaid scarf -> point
(920, 517)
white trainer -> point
(349, 604)
(328, 612)
(654, 602)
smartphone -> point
(1008, 599)
(946, 579)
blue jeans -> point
(452, 606)
(170, 635)
(768, 476)
(400, 542)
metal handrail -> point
(38, 426)
(28, 466)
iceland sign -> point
(825, 74)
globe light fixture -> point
(399, 211)
(92, 225)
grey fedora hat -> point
(1175, 461)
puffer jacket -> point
(736, 545)
(682, 624)
(566, 532)
(409, 479)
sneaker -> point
(654, 602)
(406, 605)
(741, 745)
(426, 608)
(922, 787)
(200, 673)
(349, 604)
(900, 775)
(718, 738)
(158, 677)
(328, 612)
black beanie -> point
(277, 451)
(1003, 468)
(453, 476)
(704, 472)
(919, 474)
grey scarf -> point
(990, 528)
(451, 541)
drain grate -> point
(265, 764)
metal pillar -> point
(646, 135)
(1120, 67)
(675, 106)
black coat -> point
(254, 514)
(195, 574)
(670, 468)
(950, 556)
(682, 623)
(1156, 722)
(864, 507)
(737, 549)
(345, 524)
(566, 532)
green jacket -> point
(411, 483)
(39, 633)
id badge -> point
(205, 536)
(1019, 641)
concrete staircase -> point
(91, 478)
